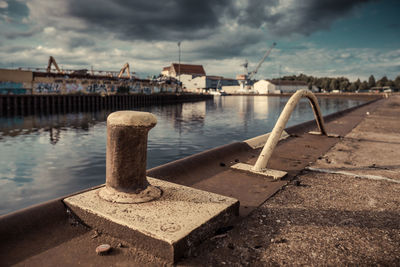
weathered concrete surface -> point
(327, 219)
(259, 141)
(274, 174)
(210, 170)
(372, 148)
(168, 227)
(249, 243)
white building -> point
(280, 86)
(184, 70)
(189, 75)
(194, 78)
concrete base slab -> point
(259, 141)
(275, 174)
(168, 227)
(329, 135)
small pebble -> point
(103, 249)
(222, 164)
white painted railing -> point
(273, 139)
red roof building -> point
(175, 69)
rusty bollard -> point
(126, 154)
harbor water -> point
(47, 156)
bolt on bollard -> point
(126, 155)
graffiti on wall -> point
(156, 89)
(99, 87)
(135, 88)
(147, 90)
(47, 87)
(12, 88)
(73, 87)
(96, 88)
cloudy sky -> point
(352, 38)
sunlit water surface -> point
(44, 157)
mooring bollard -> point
(126, 154)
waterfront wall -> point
(11, 105)
(20, 82)
(16, 81)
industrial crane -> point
(246, 80)
(53, 61)
(245, 65)
(125, 68)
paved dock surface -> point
(346, 215)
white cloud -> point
(49, 30)
(3, 4)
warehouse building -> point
(280, 86)
(194, 78)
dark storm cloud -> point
(320, 14)
(229, 47)
(301, 17)
(259, 12)
(150, 19)
(190, 20)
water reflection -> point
(43, 157)
(53, 124)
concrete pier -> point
(339, 205)
(343, 209)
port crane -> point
(245, 80)
(125, 68)
(53, 61)
(245, 66)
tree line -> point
(343, 83)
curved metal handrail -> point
(273, 139)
